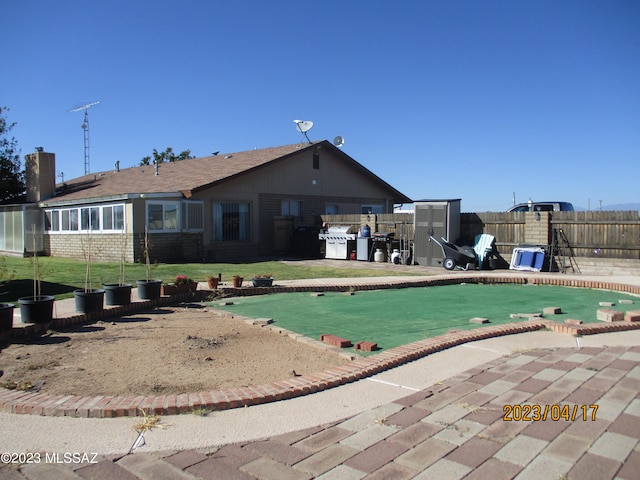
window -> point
(193, 216)
(96, 218)
(230, 222)
(64, 214)
(154, 216)
(371, 209)
(113, 217)
(90, 218)
(52, 220)
(163, 216)
(175, 216)
(330, 209)
(291, 207)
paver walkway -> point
(584, 423)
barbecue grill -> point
(383, 237)
(340, 241)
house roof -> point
(185, 177)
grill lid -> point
(341, 230)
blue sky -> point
(442, 99)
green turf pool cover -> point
(399, 316)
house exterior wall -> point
(335, 182)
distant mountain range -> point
(618, 207)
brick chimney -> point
(40, 169)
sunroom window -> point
(192, 216)
(163, 216)
(97, 218)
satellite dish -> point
(338, 141)
(303, 127)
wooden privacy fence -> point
(604, 234)
(607, 234)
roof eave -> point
(109, 198)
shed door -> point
(429, 216)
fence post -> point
(537, 228)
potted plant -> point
(119, 293)
(213, 282)
(148, 289)
(37, 308)
(6, 309)
(88, 299)
(262, 280)
(237, 280)
(182, 284)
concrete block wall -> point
(166, 247)
(170, 247)
(537, 228)
(104, 247)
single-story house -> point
(215, 208)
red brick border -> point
(13, 401)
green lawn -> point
(61, 275)
(400, 316)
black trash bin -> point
(305, 242)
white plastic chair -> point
(483, 247)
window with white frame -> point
(163, 216)
(113, 217)
(231, 222)
(192, 216)
(90, 218)
(52, 220)
(291, 207)
(95, 218)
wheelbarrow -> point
(463, 257)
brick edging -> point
(106, 406)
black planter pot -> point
(6, 316)
(149, 289)
(262, 282)
(37, 309)
(89, 301)
(116, 294)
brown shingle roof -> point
(182, 176)
(185, 176)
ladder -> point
(562, 252)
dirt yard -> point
(169, 350)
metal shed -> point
(443, 216)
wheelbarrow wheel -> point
(449, 263)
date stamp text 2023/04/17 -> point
(556, 413)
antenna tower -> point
(85, 127)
